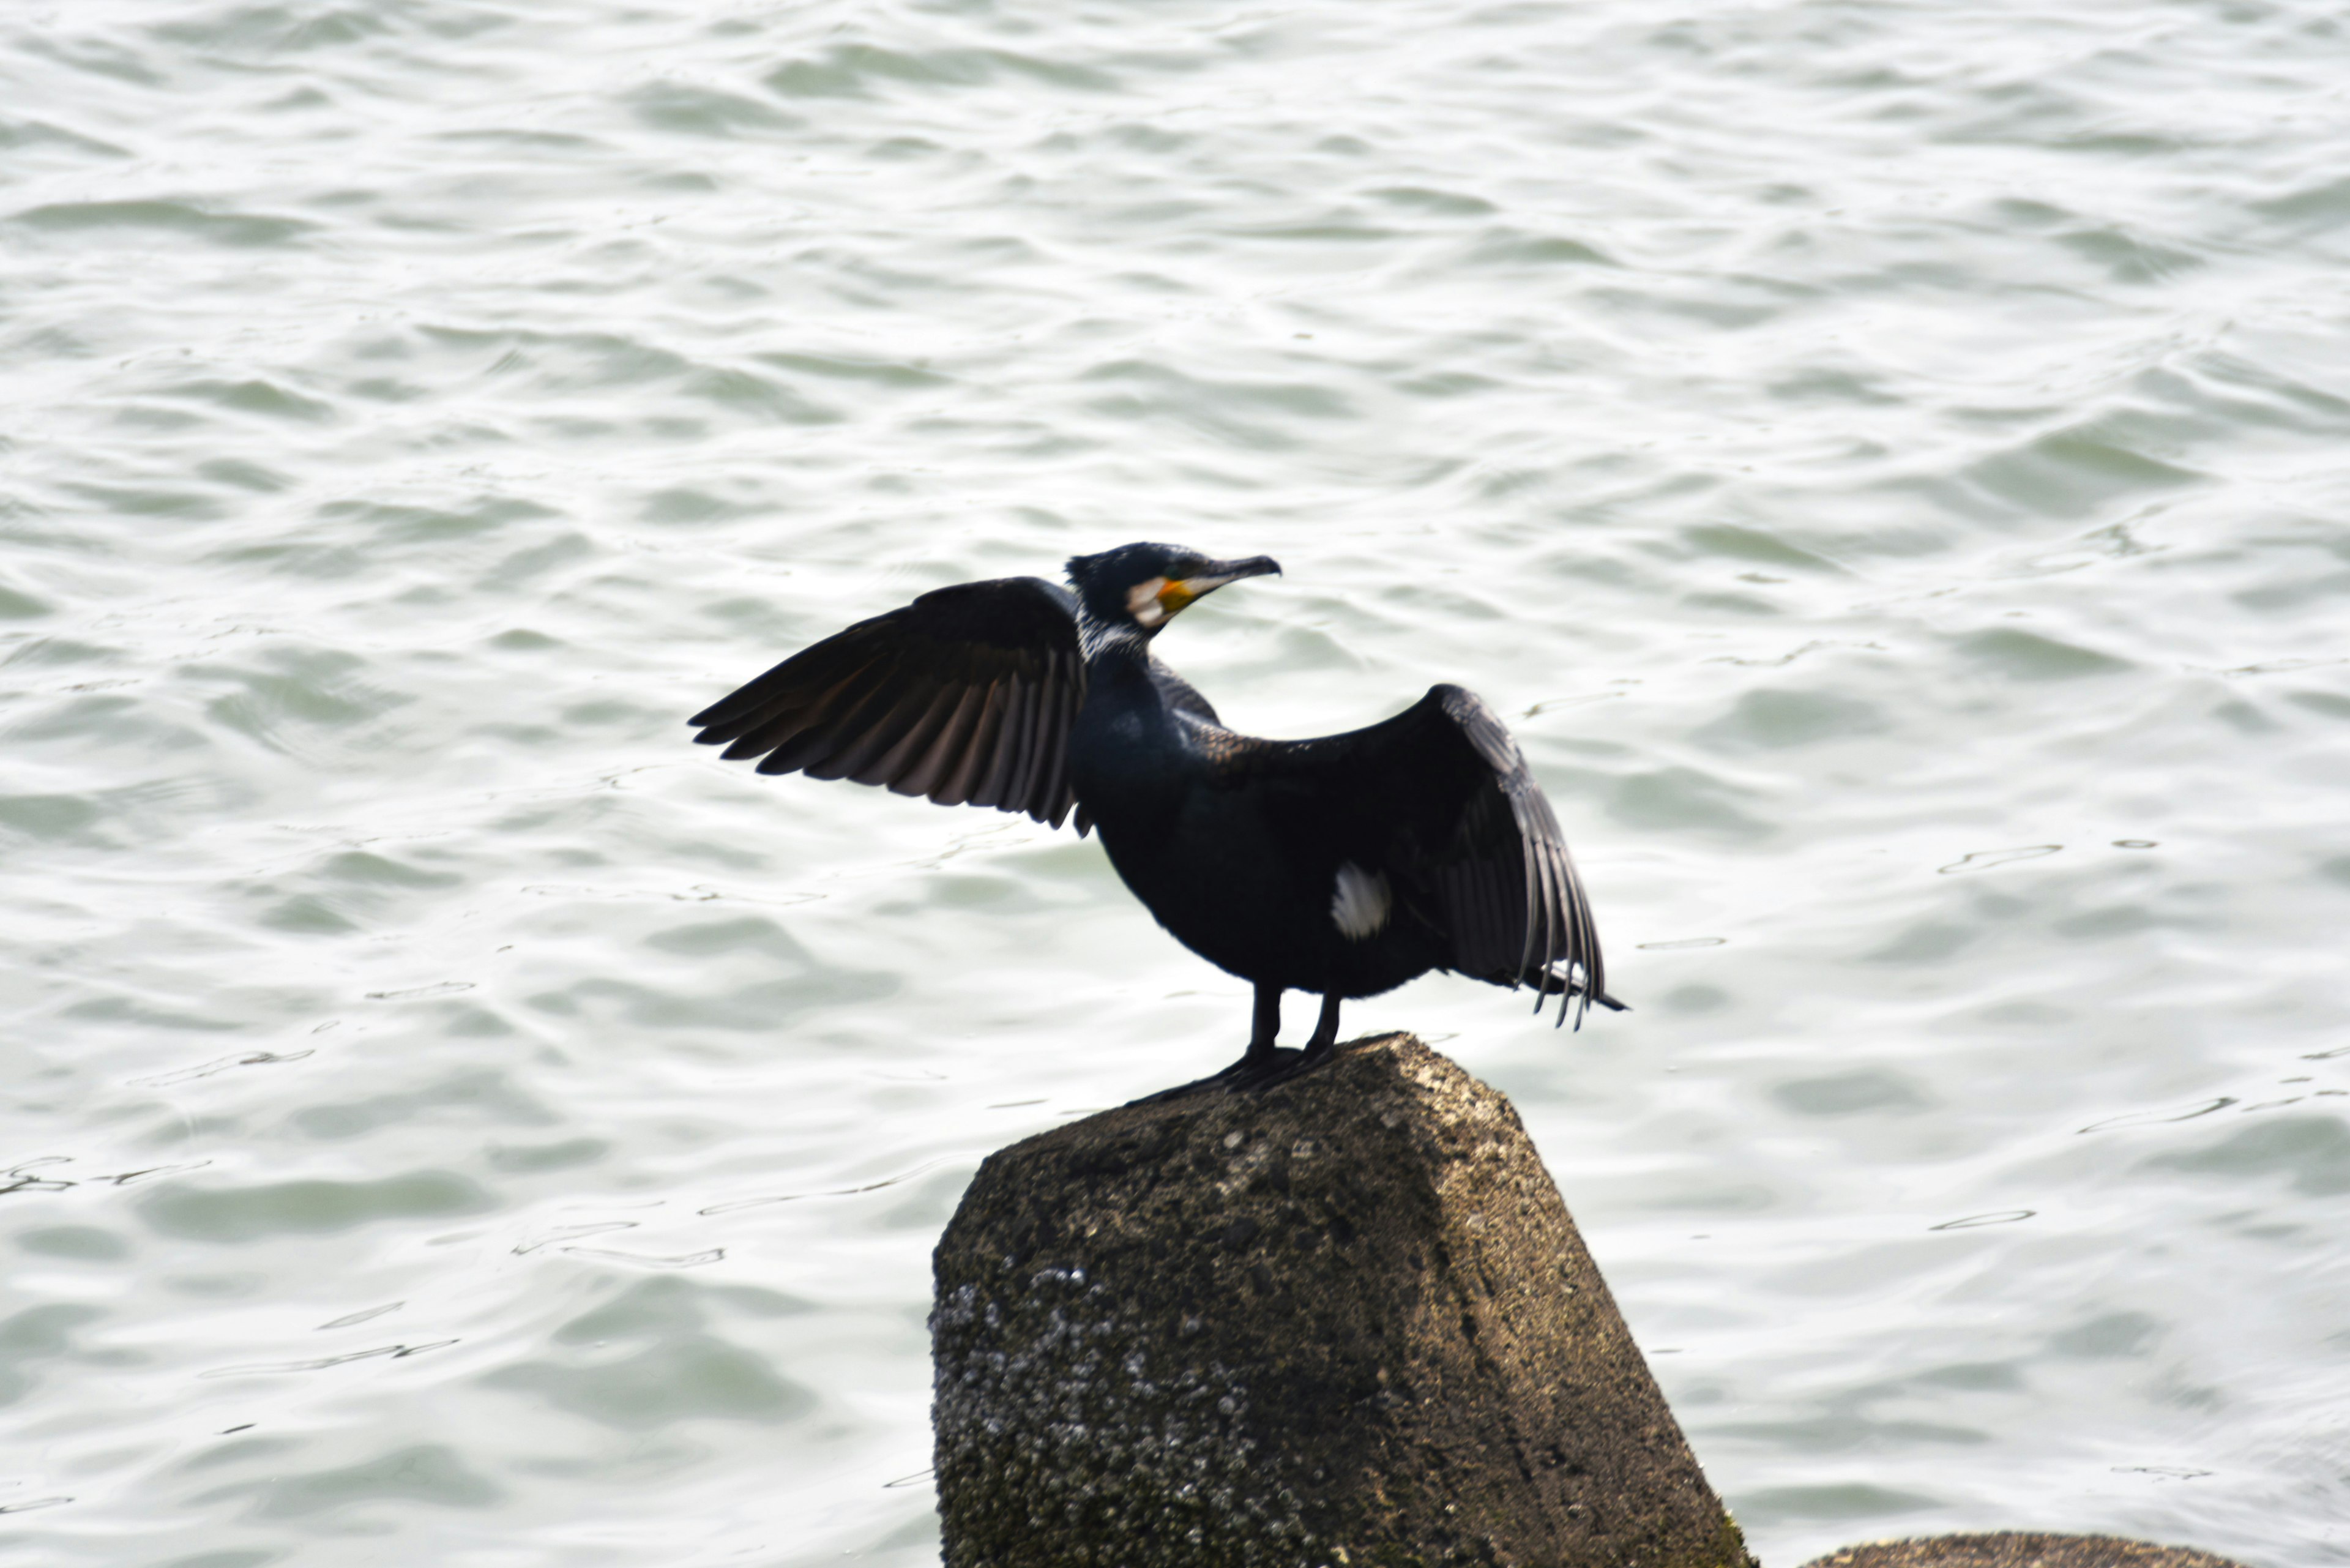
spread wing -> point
(966, 695)
(1439, 800)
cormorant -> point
(1344, 866)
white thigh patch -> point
(1359, 902)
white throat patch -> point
(1143, 604)
(1359, 902)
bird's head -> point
(1144, 585)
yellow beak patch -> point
(1152, 603)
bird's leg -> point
(1325, 1030)
(1263, 1064)
(1261, 1059)
(1260, 1065)
(1264, 1024)
(1255, 1071)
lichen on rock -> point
(1343, 1320)
(2019, 1549)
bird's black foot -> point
(1257, 1071)
(1264, 1064)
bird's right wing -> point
(1439, 800)
(965, 695)
(1537, 925)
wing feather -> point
(1440, 799)
(789, 711)
(916, 722)
(973, 737)
(927, 772)
(965, 695)
(1054, 795)
(1034, 745)
(995, 788)
(1547, 918)
(872, 726)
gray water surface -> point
(1887, 461)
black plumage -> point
(1344, 864)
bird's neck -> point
(1110, 645)
(1124, 718)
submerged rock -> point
(2019, 1549)
(1346, 1320)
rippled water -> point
(1887, 460)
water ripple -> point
(1838, 434)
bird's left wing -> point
(966, 695)
(1440, 799)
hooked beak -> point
(1177, 592)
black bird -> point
(1346, 864)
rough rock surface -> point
(2019, 1549)
(1343, 1321)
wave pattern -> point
(1885, 462)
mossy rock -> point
(2019, 1549)
(1343, 1320)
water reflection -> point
(2002, 1217)
(2148, 1118)
(1838, 454)
(321, 1363)
(1984, 859)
